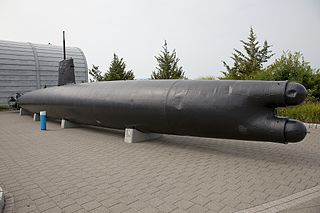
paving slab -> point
(91, 169)
(312, 206)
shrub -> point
(308, 112)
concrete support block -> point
(23, 112)
(1, 200)
(135, 136)
(36, 117)
(67, 124)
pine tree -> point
(95, 73)
(168, 65)
(246, 65)
(117, 70)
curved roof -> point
(26, 66)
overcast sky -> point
(203, 32)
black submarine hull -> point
(243, 110)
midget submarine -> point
(230, 109)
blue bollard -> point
(43, 120)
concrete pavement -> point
(89, 169)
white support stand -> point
(1, 200)
(23, 112)
(36, 117)
(135, 136)
(67, 124)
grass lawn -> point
(308, 112)
(4, 107)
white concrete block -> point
(67, 124)
(23, 112)
(1, 200)
(36, 117)
(135, 136)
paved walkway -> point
(312, 206)
(92, 170)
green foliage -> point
(293, 67)
(3, 107)
(247, 64)
(96, 73)
(308, 112)
(207, 78)
(116, 71)
(315, 91)
(167, 65)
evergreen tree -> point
(167, 65)
(117, 70)
(95, 73)
(247, 64)
(293, 67)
